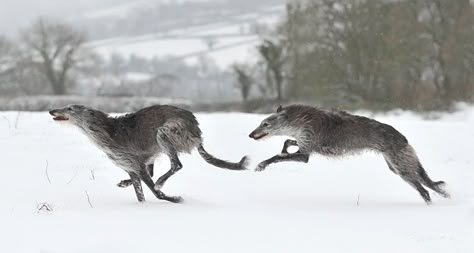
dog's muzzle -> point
(57, 116)
(254, 135)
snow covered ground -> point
(346, 205)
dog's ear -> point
(279, 108)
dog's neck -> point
(100, 130)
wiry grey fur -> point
(134, 140)
(338, 133)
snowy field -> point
(233, 40)
(226, 51)
(346, 205)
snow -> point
(224, 57)
(224, 52)
(156, 48)
(232, 41)
(290, 207)
(137, 76)
(122, 10)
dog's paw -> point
(176, 199)
(261, 167)
(124, 183)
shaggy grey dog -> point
(133, 141)
(338, 133)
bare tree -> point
(10, 68)
(210, 42)
(272, 53)
(117, 64)
(244, 80)
(54, 49)
(6, 56)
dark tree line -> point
(416, 54)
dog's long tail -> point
(242, 165)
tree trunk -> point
(278, 84)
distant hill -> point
(223, 31)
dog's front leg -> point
(137, 185)
(295, 157)
(288, 143)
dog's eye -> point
(69, 109)
(265, 124)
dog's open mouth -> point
(260, 136)
(59, 118)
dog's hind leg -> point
(404, 163)
(145, 177)
(175, 167)
(390, 166)
(435, 186)
(295, 157)
(417, 185)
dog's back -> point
(360, 132)
(144, 128)
(338, 132)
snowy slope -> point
(188, 49)
(290, 207)
(233, 40)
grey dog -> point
(133, 141)
(337, 133)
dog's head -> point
(74, 114)
(274, 124)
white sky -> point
(19, 13)
(15, 14)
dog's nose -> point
(52, 112)
(252, 134)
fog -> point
(15, 14)
(372, 54)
